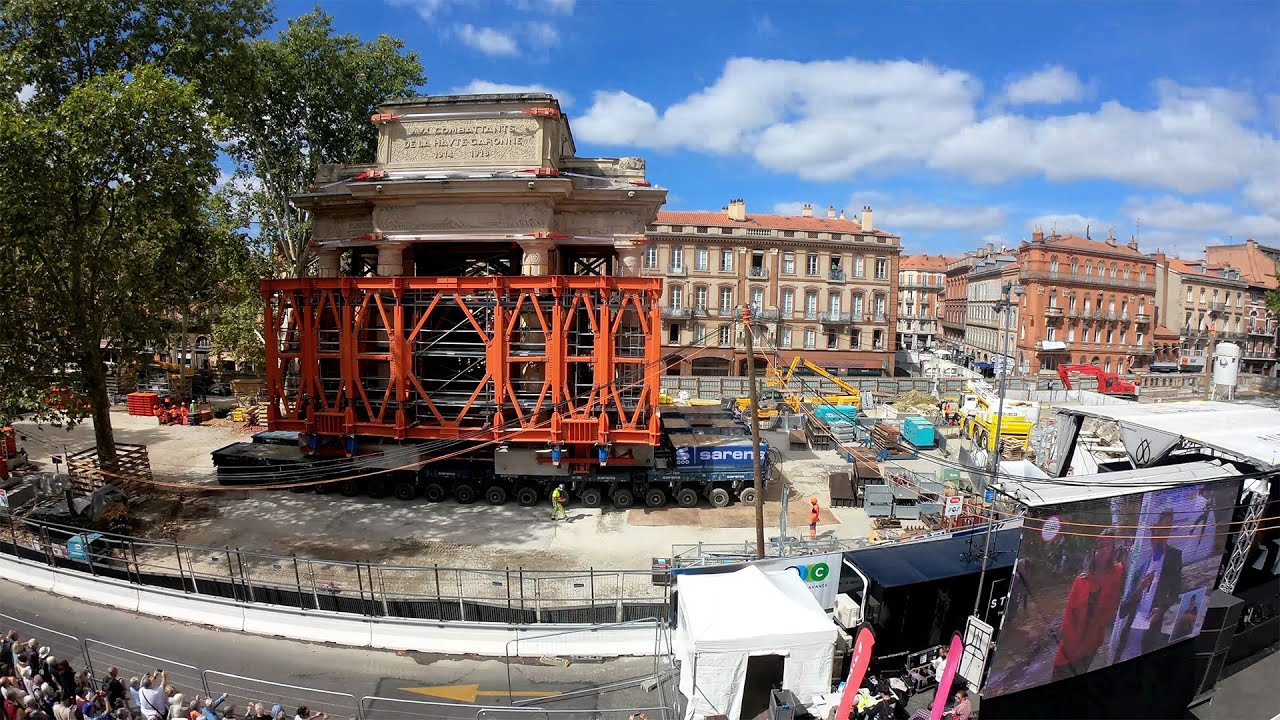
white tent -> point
(726, 618)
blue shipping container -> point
(717, 455)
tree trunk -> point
(95, 380)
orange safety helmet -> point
(813, 501)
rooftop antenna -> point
(1137, 231)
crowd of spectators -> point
(35, 685)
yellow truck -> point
(979, 409)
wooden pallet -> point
(86, 475)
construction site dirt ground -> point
(389, 531)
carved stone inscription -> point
(341, 227)
(601, 223)
(462, 143)
(459, 216)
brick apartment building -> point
(1206, 304)
(1085, 301)
(1258, 265)
(921, 279)
(824, 286)
(955, 296)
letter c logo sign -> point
(812, 573)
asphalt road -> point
(246, 666)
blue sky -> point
(959, 123)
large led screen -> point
(1102, 581)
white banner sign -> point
(820, 572)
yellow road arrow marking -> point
(469, 693)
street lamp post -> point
(1004, 305)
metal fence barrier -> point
(508, 595)
(267, 692)
(132, 663)
(61, 645)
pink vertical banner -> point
(857, 670)
(949, 671)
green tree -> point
(296, 102)
(1273, 300)
(105, 233)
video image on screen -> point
(1105, 580)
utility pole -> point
(1006, 306)
(753, 417)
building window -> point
(788, 263)
(1111, 336)
(784, 337)
(1053, 265)
(702, 229)
(1142, 306)
(673, 334)
(1123, 332)
(857, 307)
(882, 268)
(651, 257)
(1071, 332)
(757, 299)
(726, 261)
(1113, 271)
(1074, 268)
(699, 334)
(810, 339)
(1126, 273)
(789, 233)
(700, 299)
(677, 258)
(1071, 303)
(833, 340)
(1053, 298)
(811, 305)
(788, 302)
(1088, 269)
(879, 308)
(725, 336)
(1050, 334)
(1190, 295)
(700, 259)
(877, 340)
(677, 297)
(813, 236)
(726, 300)
(1142, 277)
(833, 303)
(859, 266)
(1097, 336)
(811, 264)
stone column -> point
(390, 260)
(328, 262)
(537, 257)
(629, 254)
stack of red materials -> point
(143, 403)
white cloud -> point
(564, 7)
(1070, 224)
(937, 218)
(764, 26)
(543, 34)
(788, 208)
(831, 120)
(1177, 225)
(490, 41)
(426, 9)
(1052, 85)
(26, 93)
(486, 87)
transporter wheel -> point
(406, 490)
(495, 495)
(326, 488)
(349, 488)
(377, 487)
(591, 497)
(747, 496)
(655, 497)
(623, 498)
(434, 492)
(687, 497)
(527, 496)
(464, 493)
(719, 497)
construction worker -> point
(558, 497)
(813, 517)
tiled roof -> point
(1085, 244)
(1192, 267)
(772, 222)
(1162, 331)
(1256, 267)
(928, 263)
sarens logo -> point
(814, 573)
(724, 454)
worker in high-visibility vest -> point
(813, 517)
(558, 498)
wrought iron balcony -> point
(1231, 337)
(836, 275)
(1217, 307)
(769, 314)
(678, 270)
(700, 311)
(1068, 278)
(1261, 330)
(677, 313)
(835, 318)
(810, 314)
(758, 273)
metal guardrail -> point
(61, 645)
(101, 655)
(334, 704)
(504, 595)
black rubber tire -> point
(464, 493)
(655, 498)
(434, 492)
(747, 496)
(623, 498)
(686, 497)
(349, 488)
(495, 495)
(377, 488)
(406, 490)
(527, 496)
(326, 488)
(591, 497)
(718, 497)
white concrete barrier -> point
(489, 639)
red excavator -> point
(1109, 383)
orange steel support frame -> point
(530, 359)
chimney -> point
(831, 212)
(866, 219)
(807, 211)
(991, 248)
(737, 209)
(842, 217)
(1133, 242)
(1037, 235)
